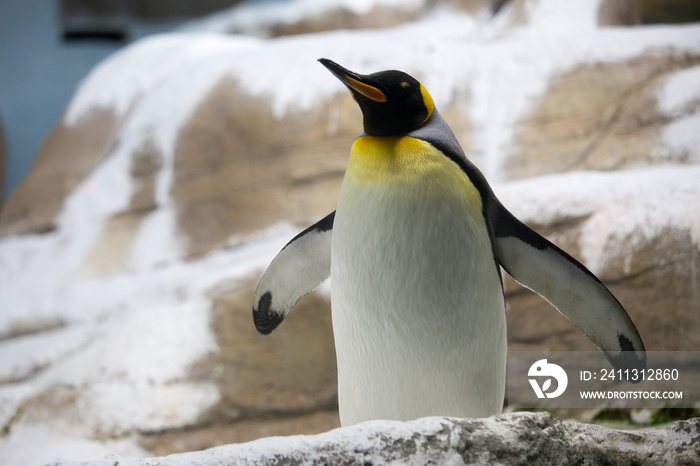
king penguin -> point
(414, 249)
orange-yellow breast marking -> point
(406, 162)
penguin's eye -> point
(405, 84)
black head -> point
(392, 102)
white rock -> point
(509, 439)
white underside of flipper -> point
(418, 309)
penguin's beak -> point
(355, 82)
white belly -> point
(418, 310)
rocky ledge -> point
(515, 438)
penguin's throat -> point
(387, 159)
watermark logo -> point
(586, 379)
(543, 370)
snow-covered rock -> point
(273, 19)
(511, 439)
(612, 115)
(129, 255)
(637, 229)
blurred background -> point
(155, 156)
(47, 47)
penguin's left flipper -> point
(539, 265)
(302, 265)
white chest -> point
(418, 311)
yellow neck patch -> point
(389, 159)
(428, 101)
(412, 163)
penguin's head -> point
(392, 102)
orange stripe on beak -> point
(368, 91)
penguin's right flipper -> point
(539, 265)
(302, 265)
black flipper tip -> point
(629, 357)
(266, 319)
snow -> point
(45, 348)
(682, 88)
(562, 17)
(682, 136)
(624, 207)
(681, 96)
(114, 86)
(128, 342)
(253, 17)
(156, 241)
(34, 445)
(126, 338)
(360, 443)
(500, 71)
(505, 439)
(163, 297)
(508, 76)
